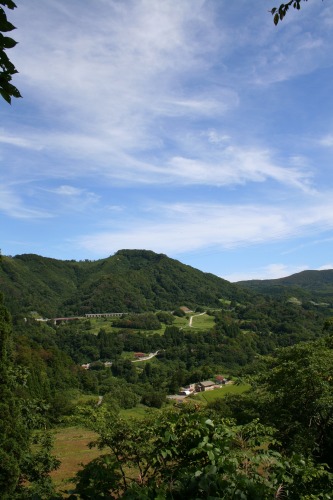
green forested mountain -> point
(306, 285)
(282, 347)
(130, 280)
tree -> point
(181, 453)
(7, 68)
(280, 12)
(24, 455)
(13, 442)
(294, 393)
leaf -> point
(5, 95)
(8, 3)
(5, 25)
(7, 42)
(276, 19)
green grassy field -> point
(209, 396)
(140, 411)
(71, 448)
(203, 322)
(71, 443)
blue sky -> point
(193, 128)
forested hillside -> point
(234, 447)
(130, 280)
(306, 285)
(271, 441)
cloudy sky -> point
(194, 128)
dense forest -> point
(130, 280)
(272, 441)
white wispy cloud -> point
(190, 100)
(189, 227)
(15, 207)
(269, 272)
(236, 165)
(327, 140)
(21, 142)
(72, 198)
(117, 84)
(68, 191)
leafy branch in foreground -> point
(180, 453)
(280, 12)
(7, 68)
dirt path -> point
(191, 318)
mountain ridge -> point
(304, 285)
(128, 281)
(136, 281)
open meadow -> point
(199, 322)
(209, 396)
(71, 448)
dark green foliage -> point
(18, 416)
(153, 399)
(46, 364)
(280, 12)
(165, 317)
(7, 68)
(307, 286)
(13, 441)
(179, 312)
(144, 321)
(97, 479)
(299, 382)
(119, 393)
(125, 369)
(32, 283)
(129, 281)
(182, 453)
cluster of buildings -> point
(206, 385)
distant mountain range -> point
(136, 281)
(130, 280)
(306, 285)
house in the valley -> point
(220, 380)
(206, 385)
(186, 391)
(139, 355)
(185, 309)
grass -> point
(71, 448)
(209, 396)
(71, 443)
(203, 322)
(139, 412)
(180, 322)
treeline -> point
(254, 446)
(275, 441)
(129, 281)
(53, 354)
